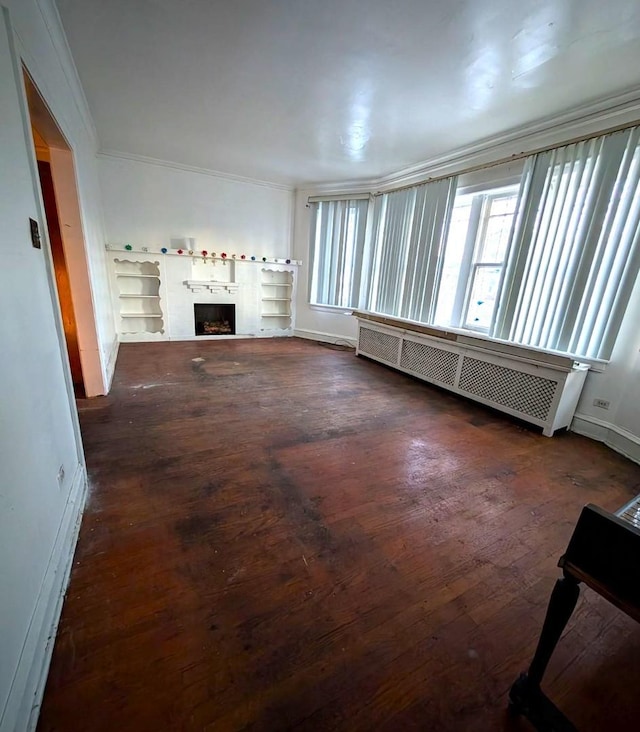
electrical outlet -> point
(61, 475)
(602, 403)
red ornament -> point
(204, 252)
(180, 251)
(223, 255)
(242, 256)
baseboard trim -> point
(316, 335)
(27, 689)
(617, 438)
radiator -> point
(526, 383)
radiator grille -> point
(432, 363)
(380, 345)
(525, 393)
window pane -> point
(498, 226)
(501, 205)
(454, 252)
(482, 300)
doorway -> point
(61, 274)
(56, 173)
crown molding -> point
(132, 157)
(599, 116)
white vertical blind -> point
(337, 246)
(575, 248)
(410, 227)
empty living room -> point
(320, 395)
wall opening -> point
(213, 319)
(59, 191)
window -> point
(575, 253)
(410, 226)
(548, 263)
(474, 258)
(337, 248)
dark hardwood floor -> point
(282, 536)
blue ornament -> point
(288, 261)
(164, 250)
(253, 259)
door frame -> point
(63, 171)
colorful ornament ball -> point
(128, 247)
(264, 259)
(224, 255)
(180, 251)
(288, 261)
(164, 250)
(242, 256)
(253, 259)
(204, 252)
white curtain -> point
(575, 249)
(337, 249)
(410, 228)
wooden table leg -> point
(526, 696)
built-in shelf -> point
(138, 286)
(137, 276)
(276, 298)
(141, 315)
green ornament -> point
(128, 247)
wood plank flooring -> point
(282, 536)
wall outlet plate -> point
(602, 403)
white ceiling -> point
(326, 90)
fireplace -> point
(211, 320)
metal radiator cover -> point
(379, 345)
(433, 363)
(518, 390)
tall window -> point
(575, 253)
(337, 248)
(410, 227)
(474, 257)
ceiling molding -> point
(193, 169)
(599, 116)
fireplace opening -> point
(214, 319)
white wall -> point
(146, 204)
(41, 44)
(39, 507)
(619, 426)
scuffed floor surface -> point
(281, 536)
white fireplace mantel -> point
(154, 294)
(211, 286)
